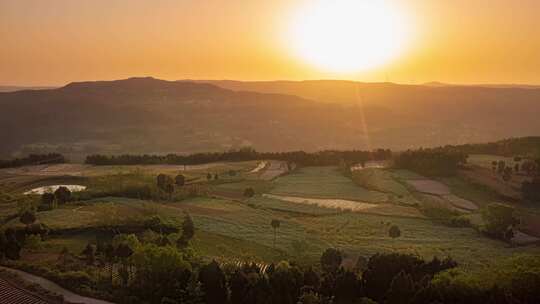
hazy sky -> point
(53, 42)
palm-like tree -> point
(275, 224)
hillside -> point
(147, 115)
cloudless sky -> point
(53, 42)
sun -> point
(345, 36)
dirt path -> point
(55, 288)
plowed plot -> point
(340, 204)
(273, 169)
(429, 186)
(435, 201)
(460, 203)
(325, 203)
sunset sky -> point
(54, 42)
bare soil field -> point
(436, 201)
(460, 203)
(273, 169)
(429, 186)
(372, 164)
(341, 204)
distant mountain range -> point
(19, 88)
(147, 115)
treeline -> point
(431, 162)
(524, 146)
(34, 159)
(322, 158)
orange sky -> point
(54, 42)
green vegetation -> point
(323, 182)
(189, 221)
(33, 159)
(431, 162)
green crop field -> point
(239, 229)
(323, 182)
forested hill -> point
(147, 115)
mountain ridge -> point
(149, 115)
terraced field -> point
(323, 182)
(241, 227)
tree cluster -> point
(322, 158)
(388, 278)
(33, 159)
(527, 146)
(431, 162)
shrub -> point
(498, 219)
(249, 192)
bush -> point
(459, 221)
(498, 219)
(249, 192)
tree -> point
(12, 250)
(529, 167)
(249, 192)
(394, 232)
(180, 180)
(161, 272)
(216, 176)
(208, 176)
(331, 260)
(62, 195)
(402, 287)
(500, 166)
(188, 231)
(239, 287)
(89, 253)
(498, 219)
(382, 268)
(27, 218)
(161, 180)
(531, 190)
(166, 184)
(310, 297)
(507, 174)
(213, 283)
(47, 199)
(347, 287)
(169, 189)
(3, 245)
(275, 224)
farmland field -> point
(324, 182)
(310, 203)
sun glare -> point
(346, 36)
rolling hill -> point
(147, 115)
